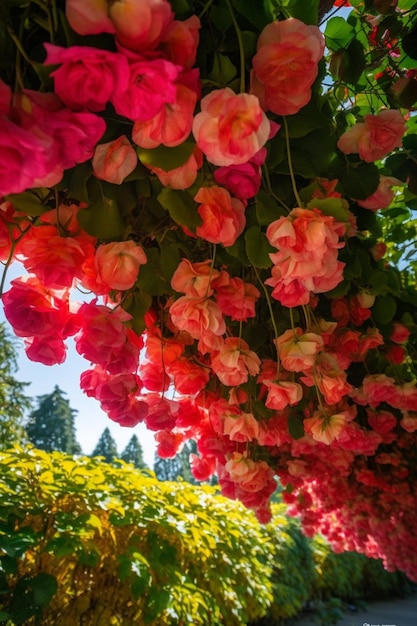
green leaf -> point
(309, 118)
(258, 247)
(180, 206)
(223, 71)
(348, 64)
(384, 309)
(295, 426)
(267, 209)
(102, 219)
(28, 202)
(256, 13)
(335, 207)
(157, 601)
(151, 279)
(137, 304)
(360, 182)
(44, 587)
(307, 12)
(166, 158)
(338, 33)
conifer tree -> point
(133, 453)
(13, 401)
(106, 447)
(51, 426)
(176, 467)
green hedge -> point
(84, 542)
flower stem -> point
(271, 312)
(241, 47)
(287, 143)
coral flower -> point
(375, 137)
(297, 350)
(231, 128)
(223, 216)
(286, 65)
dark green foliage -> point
(106, 447)
(133, 453)
(13, 401)
(51, 426)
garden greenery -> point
(84, 542)
(233, 185)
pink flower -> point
(103, 338)
(140, 24)
(202, 467)
(198, 316)
(223, 216)
(180, 41)
(161, 415)
(188, 377)
(250, 475)
(55, 260)
(168, 443)
(194, 279)
(118, 263)
(88, 17)
(48, 351)
(242, 427)
(183, 176)
(383, 196)
(115, 160)
(400, 333)
(87, 77)
(242, 181)
(325, 429)
(282, 394)
(231, 128)
(151, 85)
(234, 362)
(172, 124)
(38, 313)
(297, 350)
(375, 137)
(237, 298)
(286, 65)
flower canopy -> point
(214, 199)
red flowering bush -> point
(235, 186)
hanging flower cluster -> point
(227, 182)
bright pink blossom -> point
(118, 263)
(115, 160)
(103, 338)
(286, 65)
(161, 414)
(242, 181)
(231, 128)
(87, 77)
(151, 85)
(168, 443)
(375, 137)
(223, 216)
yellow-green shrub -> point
(123, 547)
